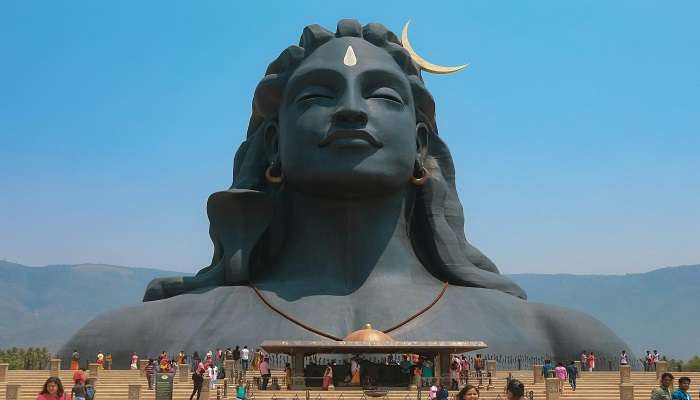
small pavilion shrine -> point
(370, 341)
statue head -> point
(347, 114)
(342, 114)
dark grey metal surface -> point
(227, 316)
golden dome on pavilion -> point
(368, 334)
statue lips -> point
(350, 138)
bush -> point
(29, 358)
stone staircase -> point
(114, 385)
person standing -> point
(562, 375)
(355, 370)
(468, 392)
(328, 377)
(427, 371)
(624, 359)
(264, 368)
(584, 360)
(663, 392)
(515, 390)
(197, 382)
(442, 393)
(150, 372)
(245, 356)
(212, 372)
(108, 361)
(180, 359)
(52, 390)
(134, 361)
(432, 394)
(79, 376)
(548, 369)
(78, 391)
(241, 391)
(572, 371)
(455, 370)
(591, 361)
(683, 391)
(100, 360)
(90, 389)
(75, 360)
(648, 360)
(236, 357)
(288, 376)
(257, 357)
(464, 367)
(196, 361)
(406, 368)
(478, 365)
(656, 357)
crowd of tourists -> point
(416, 369)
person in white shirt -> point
(212, 371)
(245, 356)
(623, 358)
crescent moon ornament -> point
(423, 63)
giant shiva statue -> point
(343, 211)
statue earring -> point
(274, 167)
(420, 174)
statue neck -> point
(346, 244)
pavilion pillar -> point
(442, 366)
(491, 372)
(297, 369)
(661, 367)
(204, 395)
(134, 392)
(537, 376)
(3, 372)
(142, 367)
(13, 392)
(625, 374)
(228, 368)
(551, 388)
(94, 370)
(55, 367)
(183, 370)
(626, 391)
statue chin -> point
(357, 190)
(353, 183)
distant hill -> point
(43, 306)
(652, 310)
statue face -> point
(347, 127)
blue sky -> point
(576, 128)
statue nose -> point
(351, 111)
(350, 116)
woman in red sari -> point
(328, 377)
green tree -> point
(29, 358)
(693, 364)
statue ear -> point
(422, 135)
(271, 138)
